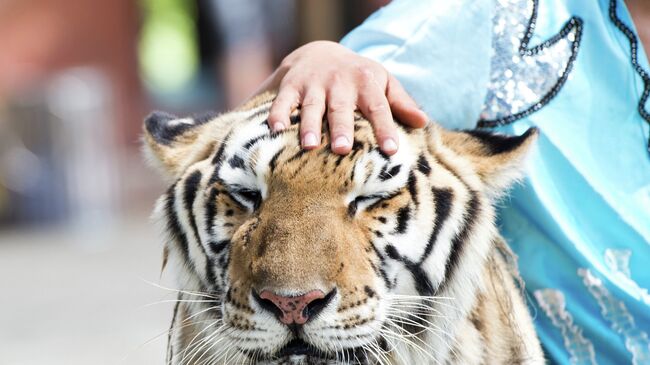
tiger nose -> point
(294, 309)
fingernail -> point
(341, 142)
(278, 126)
(309, 140)
(389, 145)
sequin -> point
(523, 79)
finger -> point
(340, 116)
(284, 103)
(374, 106)
(404, 108)
(312, 109)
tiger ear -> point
(497, 158)
(172, 144)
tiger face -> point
(287, 256)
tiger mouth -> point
(297, 348)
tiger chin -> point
(288, 256)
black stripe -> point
(443, 199)
(339, 159)
(219, 155)
(174, 228)
(274, 159)
(380, 270)
(189, 195)
(211, 209)
(170, 345)
(472, 209)
(251, 142)
(296, 156)
(403, 217)
(413, 189)
(358, 145)
(420, 278)
(261, 111)
(234, 200)
(192, 185)
(224, 261)
(496, 143)
(385, 175)
(383, 201)
(423, 165)
(236, 162)
(218, 246)
(422, 282)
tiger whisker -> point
(177, 301)
(420, 297)
(408, 337)
(434, 329)
(416, 324)
(201, 312)
(409, 342)
(194, 347)
(420, 309)
(207, 346)
(156, 337)
(180, 291)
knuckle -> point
(286, 99)
(339, 105)
(377, 107)
(313, 101)
(289, 85)
(366, 74)
(335, 79)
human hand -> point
(325, 77)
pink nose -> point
(292, 309)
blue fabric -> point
(429, 45)
(581, 221)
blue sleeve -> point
(431, 44)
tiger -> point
(290, 256)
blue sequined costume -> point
(580, 223)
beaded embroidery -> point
(524, 79)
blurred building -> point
(69, 95)
(77, 77)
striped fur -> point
(408, 243)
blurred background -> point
(79, 258)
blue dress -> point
(580, 223)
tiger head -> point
(306, 257)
